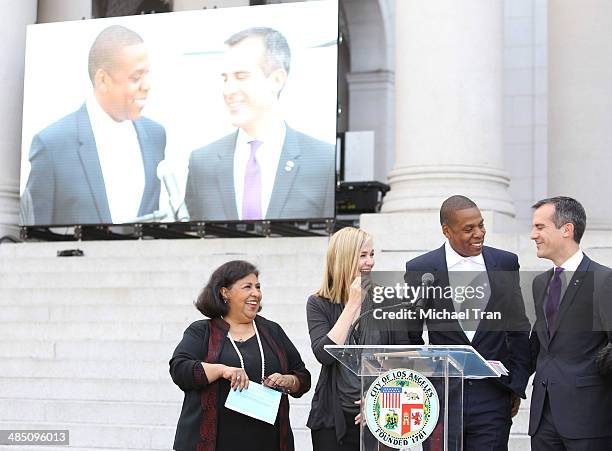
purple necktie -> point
(251, 199)
(553, 300)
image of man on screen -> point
(265, 169)
(98, 164)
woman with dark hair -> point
(224, 353)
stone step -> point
(180, 313)
(302, 440)
(83, 369)
(106, 436)
(108, 350)
(22, 331)
(106, 360)
(97, 390)
(201, 264)
(84, 362)
(167, 279)
(63, 448)
(108, 412)
(235, 248)
(138, 295)
(128, 438)
(90, 389)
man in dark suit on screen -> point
(98, 165)
(464, 261)
(266, 169)
(571, 404)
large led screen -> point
(213, 115)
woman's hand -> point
(358, 417)
(287, 383)
(237, 376)
(356, 294)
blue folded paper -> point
(257, 401)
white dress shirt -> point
(268, 156)
(456, 262)
(121, 162)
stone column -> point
(16, 15)
(580, 105)
(448, 81)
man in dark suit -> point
(266, 169)
(488, 404)
(571, 404)
(98, 165)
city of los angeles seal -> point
(401, 408)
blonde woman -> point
(334, 415)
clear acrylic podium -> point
(444, 366)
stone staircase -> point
(85, 341)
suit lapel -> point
(442, 280)
(490, 267)
(225, 180)
(148, 163)
(88, 155)
(570, 293)
(288, 168)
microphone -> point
(427, 279)
(420, 303)
(175, 198)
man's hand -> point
(515, 404)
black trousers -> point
(547, 437)
(325, 439)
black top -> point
(326, 411)
(254, 434)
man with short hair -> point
(571, 403)
(462, 263)
(266, 169)
(98, 165)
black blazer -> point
(66, 186)
(506, 341)
(580, 399)
(303, 187)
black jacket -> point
(580, 398)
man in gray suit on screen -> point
(266, 169)
(98, 164)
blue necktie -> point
(552, 301)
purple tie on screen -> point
(251, 200)
(553, 300)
